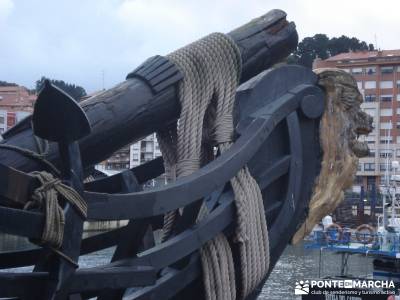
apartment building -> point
(378, 78)
(144, 150)
(119, 160)
(132, 156)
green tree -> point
(323, 47)
(73, 90)
(5, 83)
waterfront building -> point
(378, 78)
(132, 156)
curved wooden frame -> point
(169, 268)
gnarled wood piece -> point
(341, 124)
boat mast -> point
(387, 179)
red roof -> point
(16, 98)
(364, 55)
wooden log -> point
(133, 109)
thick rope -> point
(40, 158)
(46, 199)
(211, 69)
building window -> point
(370, 70)
(354, 210)
(370, 98)
(370, 84)
(386, 125)
(358, 180)
(385, 153)
(371, 153)
(370, 139)
(383, 167)
(359, 168)
(398, 84)
(386, 140)
(1, 120)
(398, 152)
(388, 84)
(386, 70)
(386, 98)
(370, 111)
(386, 112)
(369, 167)
(356, 71)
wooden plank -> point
(202, 182)
(130, 243)
(171, 283)
(21, 222)
(15, 259)
(15, 185)
(112, 278)
(25, 285)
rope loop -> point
(46, 198)
(223, 129)
(211, 69)
(187, 166)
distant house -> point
(15, 104)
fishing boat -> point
(279, 139)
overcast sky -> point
(77, 40)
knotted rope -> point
(211, 69)
(46, 198)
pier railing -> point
(382, 243)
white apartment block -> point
(144, 150)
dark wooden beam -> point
(133, 109)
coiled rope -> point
(211, 69)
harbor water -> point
(296, 263)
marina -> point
(295, 263)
